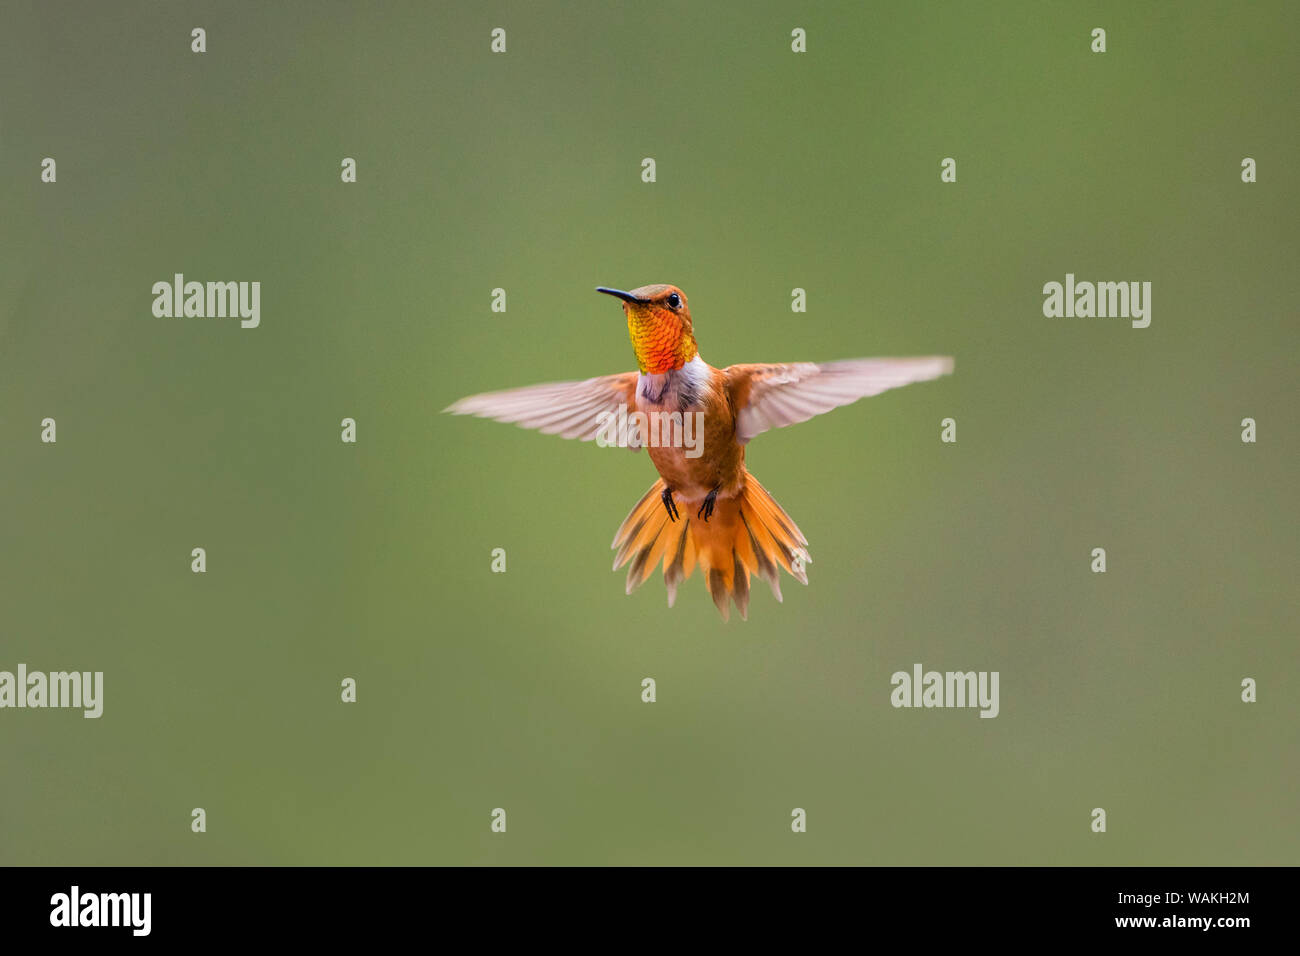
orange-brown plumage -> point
(706, 509)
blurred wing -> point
(567, 409)
(771, 396)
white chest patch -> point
(678, 390)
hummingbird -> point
(706, 509)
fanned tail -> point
(747, 535)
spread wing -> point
(770, 396)
(567, 409)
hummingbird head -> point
(659, 324)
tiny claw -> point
(669, 505)
(706, 509)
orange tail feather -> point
(747, 535)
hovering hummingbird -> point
(706, 508)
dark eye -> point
(674, 300)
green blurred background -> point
(522, 690)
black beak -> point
(625, 296)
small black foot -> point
(669, 505)
(706, 509)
